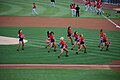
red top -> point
(104, 38)
(89, 3)
(62, 42)
(99, 5)
(20, 34)
(82, 39)
(51, 37)
(71, 6)
(34, 6)
(86, 2)
(101, 34)
(95, 3)
(74, 7)
(69, 31)
(76, 35)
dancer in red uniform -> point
(81, 44)
(34, 9)
(63, 47)
(69, 31)
(21, 37)
(95, 6)
(99, 8)
(76, 39)
(106, 43)
(52, 42)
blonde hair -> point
(62, 38)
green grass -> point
(35, 51)
(24, 8)
(58, 74)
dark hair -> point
(69, 27)
(101, 30)
(51, 32)
(19, 31)
(75, 32)
(48, 32)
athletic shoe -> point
(17, 49)
(106, 49)
(85, 52)
(22, 48)
(58, 56)
(54, 50)
(72, 44)
(77, 53)
(71, 48)
(66, 55)
(48, 51)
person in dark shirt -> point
(77, 11)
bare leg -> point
(66, 52)
(67, 40)
(107, 47)
(71, 41)
(84, 48)
(99, 44)
(73, 45)
(55, 46)
(79, 49)
(18, 46)
(22, 45)
(47, 45)
(103, 46)
(50, 47)
(60, 53)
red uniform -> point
(51, 37)
(95, 3)
(63, 44)
(74, 7)
(101, 34)
(99, 5)
(34, 6)
(71, 6)
(69, 31)
(89, 3)
(104, 38)
(76, 37)
(20, 35)
(82, 39)
(86, 2)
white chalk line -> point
(9, 40)
(70, 66)
(111, 21)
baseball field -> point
(35, 63)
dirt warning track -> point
(59, 66)
(89, 23)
